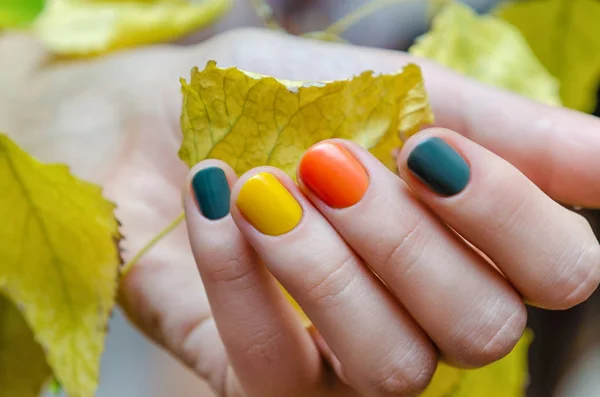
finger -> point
(549, 253)
(380, 348)
(523, 132)
(466, 307)
(556, 148)
(269, 349)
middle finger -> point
(468, 309)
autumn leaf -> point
(487, 49)
(59, 263)
(23, 368)
(504, 378)
(249, 120)
(565, 36)
(77, 27)
(16, 13)
(445, 380)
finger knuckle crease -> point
(405, 251)
(579, 279)
(328, 282)
(264, 347)
(232, 270)
(493, 339)
(407, 375)
(506, 218)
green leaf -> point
(55, 387)
(15, 13)
(565, 36)
(488, 49)
(59, 262)
(23, 367)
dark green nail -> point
(439, 167)
(212, 192)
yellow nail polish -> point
(268, 205)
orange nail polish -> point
(334, 175)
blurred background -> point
(565, 356)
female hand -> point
(119, 127)
(384, 266)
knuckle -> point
(406, 375)
(406, 250)
(504, 219)
(327, 283)
(264, 346)
(495, 336)
(235, 269)
(577, 281)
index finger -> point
(556, 148)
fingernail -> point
(333, 174)
(268, 205)
(212, 192)
(439, 166)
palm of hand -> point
(115, 121)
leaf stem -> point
(265, 12)
(346, 22)
(129, 265)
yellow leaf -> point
(59, 262)
(445, 379)
(76, 27)
(23, 368)
(249, 120)
(504, 378)
(489, 50)
(565, 36)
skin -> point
(114, 120)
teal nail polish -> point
(439, 167)
(212, 192)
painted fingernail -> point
(333, 174)
(268, 205)
(212, 192)
(439, 166)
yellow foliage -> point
(565, 36)
(504, 378)
(487, 49)
(78, 27)
(59, 263)
(249, 120)
(23, 368)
